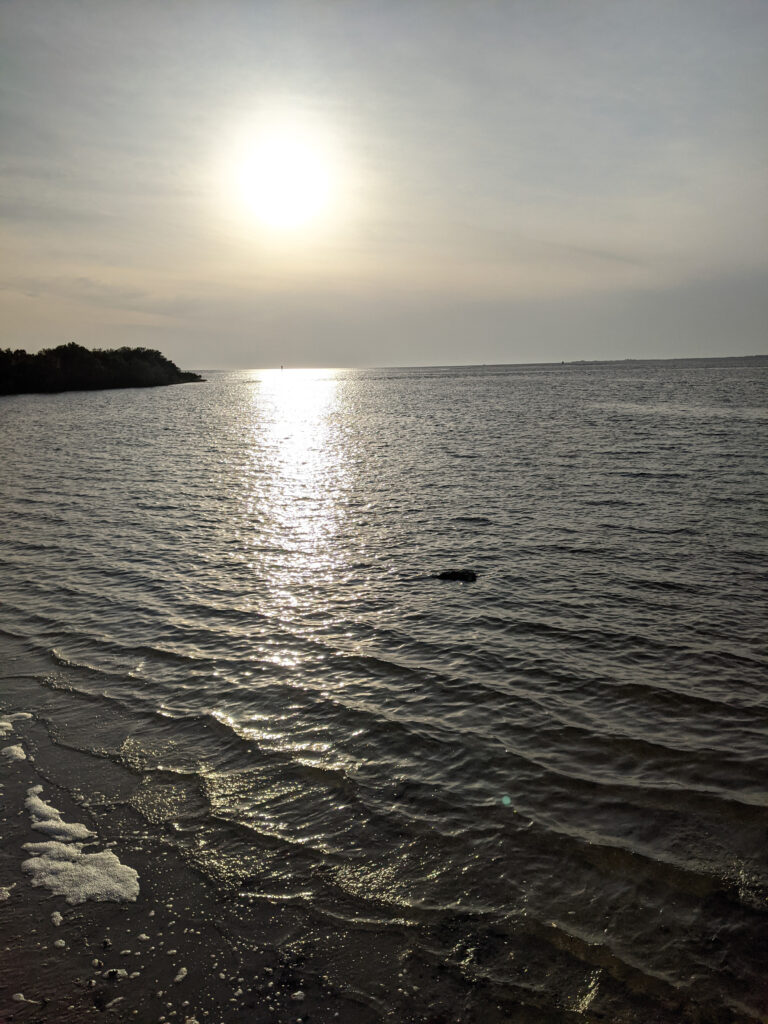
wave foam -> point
(61, 865)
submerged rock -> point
(463, 575)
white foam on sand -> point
(46, 818)
(62, 865)
(15, 752)
(67, 871)
(6, 724)
(39, 809)
(63, 831)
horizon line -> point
(440, 366)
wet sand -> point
(176, 952)
(187, 949)
(196, 948)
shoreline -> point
(247, 952)
(176, 952)
(74, 368)
(194, 949)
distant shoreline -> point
(74, 368)
(751, 360)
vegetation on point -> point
(74, 368)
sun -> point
(284, 178)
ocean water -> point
(547, 788)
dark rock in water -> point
(464, 575)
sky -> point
(492, 181)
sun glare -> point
(284, 177)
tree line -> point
(74, 368)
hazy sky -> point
(507, 181)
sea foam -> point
(14, 753)
(62, 865)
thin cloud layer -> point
(549, 180)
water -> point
(548, 787)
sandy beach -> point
(174, 952)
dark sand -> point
(247, 956)
(231, 974)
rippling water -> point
(550, 784)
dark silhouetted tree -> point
(74, 368)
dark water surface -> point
(549, 786)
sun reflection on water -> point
(293, 484)
(290, 475)
(296, 410)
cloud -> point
(497, 153)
